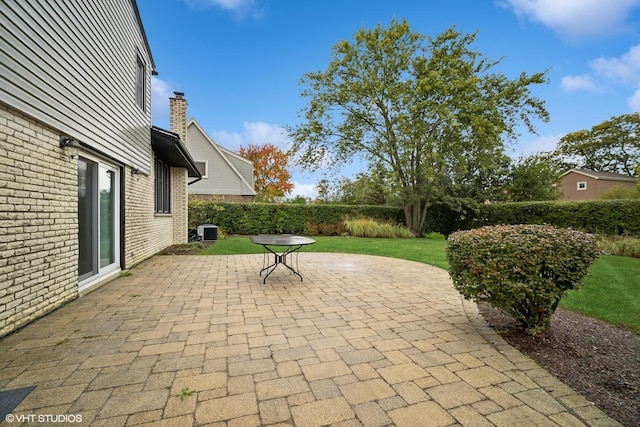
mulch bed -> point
(596, 359)
(185, 249)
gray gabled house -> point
(87, 187)
(225, 174)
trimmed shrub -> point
(523, 270)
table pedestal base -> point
(280, 259)
(270, 242)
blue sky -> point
(239, 61)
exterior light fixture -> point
(67, 141)
(136, 171)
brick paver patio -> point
(363, 341)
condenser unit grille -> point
(208, 232)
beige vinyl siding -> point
(75, 70)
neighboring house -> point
(225, 174)
(87, 186)
(583, 184)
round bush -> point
(521, 269)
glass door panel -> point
(107, 184)
(87, 218)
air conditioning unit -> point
(208, 233)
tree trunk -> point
(414, 217)
(415, 214)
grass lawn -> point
(428, 251)
(611, 291)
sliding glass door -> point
(98, 220)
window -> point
(163, 187)
(140, 83)
(202, 168)
(582, 185)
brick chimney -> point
(178, 115)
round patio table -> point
(274, 244)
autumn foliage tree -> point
(269, 169)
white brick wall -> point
(179, 176)
(179, 206)
(38, 220)
(146, 233)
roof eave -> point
(170, 149)
(134, 4)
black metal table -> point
(291, 245)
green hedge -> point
(446, 218)
(267, 218)
(610, 217)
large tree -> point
(269, 169)
(482, 181)
(425, 110)
(364, 189)
(534, 178)
(611, 146)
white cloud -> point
(625, 69)
(260, 132)
(161, 91)
(231, 5)
(581, 82)
(634, 101)
(257, 133)
(575, 19)
(304, 190)
(541, 144)
(240, 8)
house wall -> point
(178, 106)
(69, 70)
(146, 232)
(241, 164)
(604, 185)
(594, 186)
(74, 68)
(221, 179)
(179, 206)
(570, 185)
(38, 220)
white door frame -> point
(100, 270)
